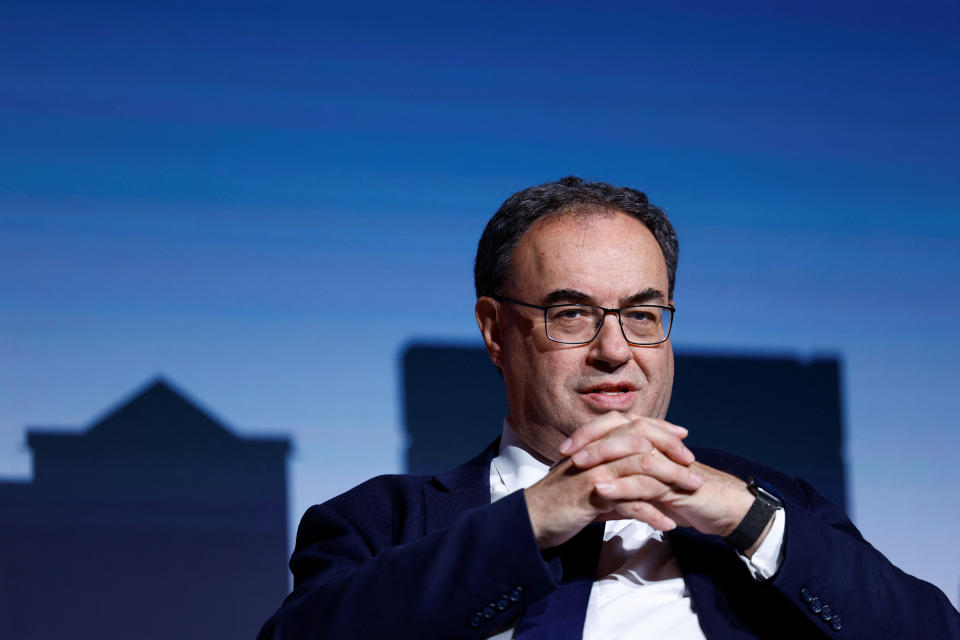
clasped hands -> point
(620, 466)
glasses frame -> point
(606, 311)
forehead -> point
(607, 255)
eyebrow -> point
(572, 296)
(647, 295)
(560, 296)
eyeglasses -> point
(641, 325)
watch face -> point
(772, 498)
(754, 486)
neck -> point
(522, 438)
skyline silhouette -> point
(155, 522)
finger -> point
(663, 438)
(681, 432)
(600, 427)
(629, 488)
(613, 446)
(592, 430)
(631, 439)
(650, 478)
(642, 511)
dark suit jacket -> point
(423, 556)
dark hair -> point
(521, 210)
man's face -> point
(605, 259)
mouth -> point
(610, 396)
(610, 389)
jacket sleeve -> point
(831, 584)
(358, 574)
(847, 588)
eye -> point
(570, 313)
(639, 315)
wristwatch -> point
(764, 506)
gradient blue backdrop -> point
(267, 202)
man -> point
(574, 302)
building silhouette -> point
(156, 522)
(784, 412)
(453, 404)
(781, 411)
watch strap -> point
(765, 504)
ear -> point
(487, 314)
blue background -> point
(265, 203)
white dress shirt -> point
(639, 592)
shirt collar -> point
(516, 467)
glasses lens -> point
(572, 323)
(646, 325)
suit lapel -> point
(693, 551)
(452, 492)
(712, 572)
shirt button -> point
(502, 603)
(475, 621)
(489, 611)
(826, 613)
(835, 623)
(515, 594)
(805, 594)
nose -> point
(610, 349)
